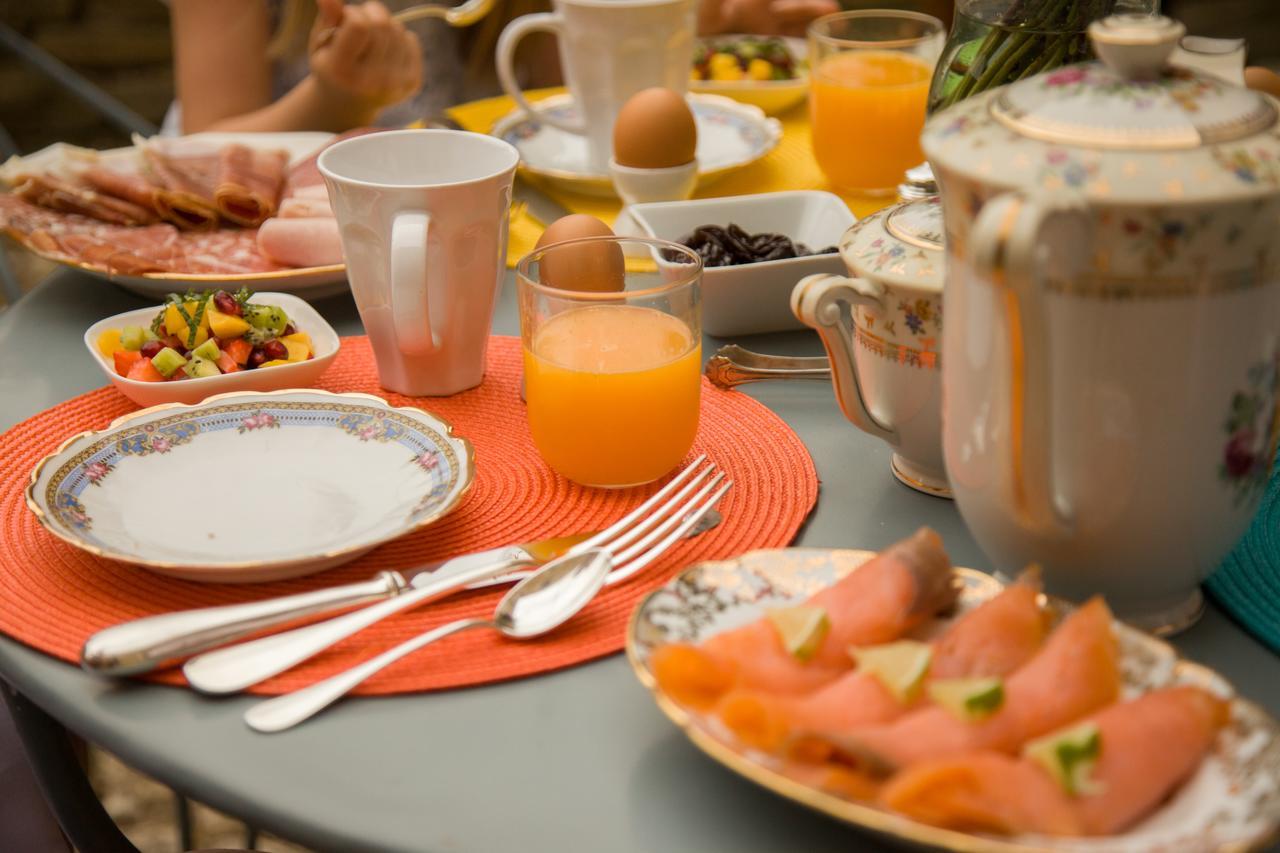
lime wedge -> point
(969, 699)
(901, 666)
(1070, 756)
(801, 629)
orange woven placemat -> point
(53, 596)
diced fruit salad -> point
(746, 58)
(206, 334)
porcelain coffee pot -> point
(1113, 319)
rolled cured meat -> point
(57, 194)
(248, 185)
(131, 187)
(186, 188)
(301, 242)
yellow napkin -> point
(790, 166)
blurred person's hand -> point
(1263, 79)
(763, 17)
(359, 53)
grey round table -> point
(575, 760)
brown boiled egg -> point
(592, 267)
(654, 130)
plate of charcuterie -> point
(239, 209)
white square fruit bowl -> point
(303, 374)
(750, 299)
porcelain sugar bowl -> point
(1113, 319)
(882, 327)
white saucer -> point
(731, 135)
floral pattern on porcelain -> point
(1253, 428)
(430, 451)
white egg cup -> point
(637, 186)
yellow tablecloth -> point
(790, 166)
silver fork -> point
(632, 543)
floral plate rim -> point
(869, 817)
(331, 557)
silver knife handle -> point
(237, 667)
(145, 644)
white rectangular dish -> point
(752, 298)
(300, 375)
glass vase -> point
(994, 42)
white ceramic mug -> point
(423, 219)
(609, 50)
(881, 327)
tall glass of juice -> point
(870, 73)
(612, 332)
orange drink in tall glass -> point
(612, 379)
(870, 73)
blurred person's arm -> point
(1262, 79)
(361, 61)
(764, 17)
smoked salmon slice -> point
(1149, 746)
(888, 595)
(993, 639)
(1076, 673)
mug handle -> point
(409, 285)
(818, 301)
(550, 22)
(1014, 240)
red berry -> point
(274, 350)
(150, 348)
(257, 357)
(288, 330)
(226, 303)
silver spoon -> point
(540, 603)
(455, 16)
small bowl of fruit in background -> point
(769, 72)
(201, 344)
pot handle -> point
(818, 301)
(1016, 241)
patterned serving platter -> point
(1231, 804)
(731, 136)
(252, 486)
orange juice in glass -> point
(612, 377)
(869, 82)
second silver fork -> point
(633, 543)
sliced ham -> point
(187, 186)
(249, 182)
(305, 208)
(57, 194)
(131, 187)
(301, 242)
(311, 192)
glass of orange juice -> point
(612, 332)
(869, 80)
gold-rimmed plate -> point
(312, 282)
(248, 487)
(1231, 804)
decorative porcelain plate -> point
(252, 486)
(314, 282)
(1232, 803)
(730, 135)
(303, 374)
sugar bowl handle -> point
(1016, 242)
(819, 301)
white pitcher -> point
(1113, 319)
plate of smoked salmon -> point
(167, 214)
(935, 705)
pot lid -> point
(1128, 129)
(902, 243)
(1131, 100)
